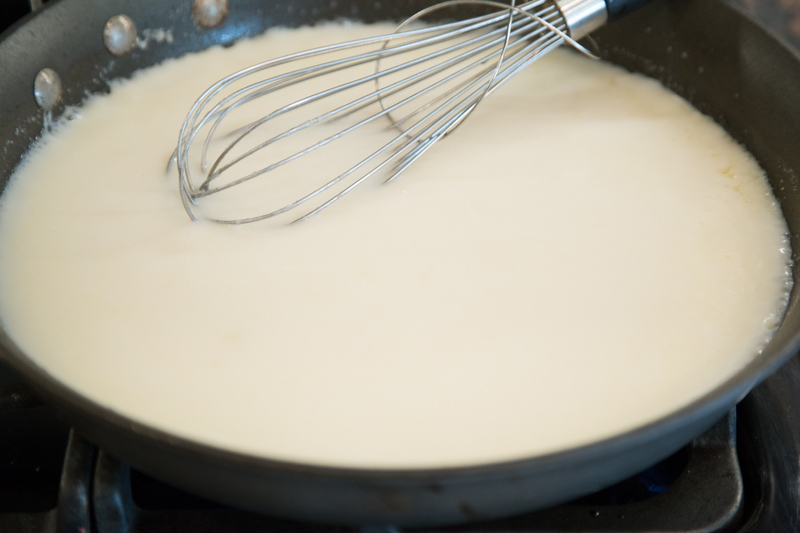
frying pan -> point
(705, 50)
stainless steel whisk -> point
(420, 81)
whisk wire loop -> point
(424, 98)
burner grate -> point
(707, 489)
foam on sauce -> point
(586, 254)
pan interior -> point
(409, 390)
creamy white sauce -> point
(586, 254)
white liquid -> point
(586, 254)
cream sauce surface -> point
(586, 254)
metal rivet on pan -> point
(47, 89)
(209, 13)
(119, 34)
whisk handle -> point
(619, 8)
(584, 16)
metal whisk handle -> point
(584, 16)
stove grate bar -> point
(705, 496)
